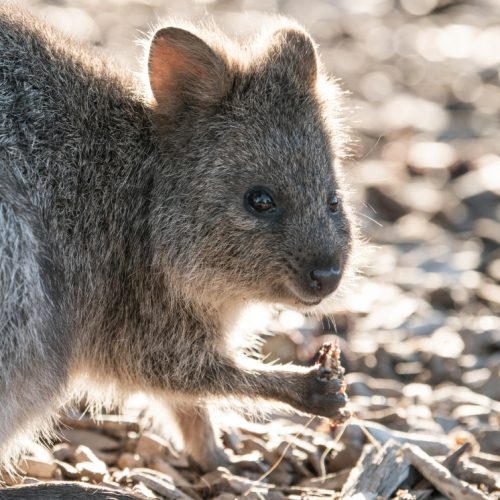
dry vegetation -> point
(420, 332)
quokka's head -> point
(252, 206)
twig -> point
(368, 435)
(328, 449)
(282, 456)
(450, 462)
(439, 476)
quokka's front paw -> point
(322, 396)
(325, 386)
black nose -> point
(324, 281)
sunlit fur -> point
(126, 254)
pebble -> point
(150, 444)
(91, 439)
(130, 460)
(94, 471)
(40, 469)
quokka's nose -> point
(324, 281)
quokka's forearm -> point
(222, 376)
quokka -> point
(138, 221)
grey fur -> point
(126, 252)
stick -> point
(439, 476)
(450, 462)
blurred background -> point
(424, 108)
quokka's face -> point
(276, 221)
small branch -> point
(439, 476)
(450, 462)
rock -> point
(164, 467)
(254, 444)
(89, 465)
(346, 456)
(488, 230)
(490, 293)
(480, 188)
(489, 440)
(493, 269)
(431, 444)
(40, 469)
(418, 393)
(465, 411)
(85, 454)
(429, 156)
(360, 384)
(389, 208)
(404, 110)
(95, 471)
(118, 425)
(108, 457)
(450, 396)
(91, 439)
(130, 460)
(64, 452)
(447, 297)
(150, 444)
(232, 440)
(68, 471)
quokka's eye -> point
(334, 203)
(260, 200)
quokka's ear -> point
(184, 72)
(292, 52)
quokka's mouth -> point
(304, 301)
(307, 302)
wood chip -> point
(378, 472)
(158, 482)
